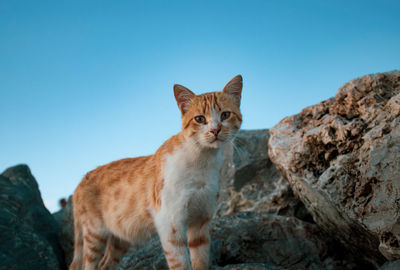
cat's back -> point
(114, 177)
(114, 172)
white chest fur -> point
(190, 184)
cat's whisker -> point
(240, 152)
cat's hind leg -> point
(94, 242)
(115, 250)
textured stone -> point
(249, 181)
(249, 266)
(148, 256)
(287, 242)
(342, 158)
(394, 265)
(250, 240)
(28, 232)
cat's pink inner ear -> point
(234, 89)
(183, 97)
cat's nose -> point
(215, 131)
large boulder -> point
(250, 240)
(249, 181)
(28, 232)
(342, 158)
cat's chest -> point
(185, 167)
(188, 174)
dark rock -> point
(342, 158)
(251, 240)
(275, 240)
(28, 232)
(249, 266)
(149, 256)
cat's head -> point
(211, 119)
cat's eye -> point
(225, 115)
(200, 119)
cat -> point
(172, 192)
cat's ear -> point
(183, 97)
(234, 89)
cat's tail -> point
(78, 244)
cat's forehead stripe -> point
(209, 101)
(216, 101)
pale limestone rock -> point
(342, 158)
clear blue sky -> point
(83, 83)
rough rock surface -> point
(250, 240)
(28, 232)
(393, 265)
(342, 158)
(249, 266)
(249, 181)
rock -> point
(149, 256)
(250, 240)
(342, 158)
(28, 232)
(249, 266)
(287, 242)
(394, 265)
(249, 181)
(65, 221)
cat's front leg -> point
(199, 244)
(173, 240)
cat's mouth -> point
(216, 139)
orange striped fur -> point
(172, 192)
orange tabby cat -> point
(172, 193)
